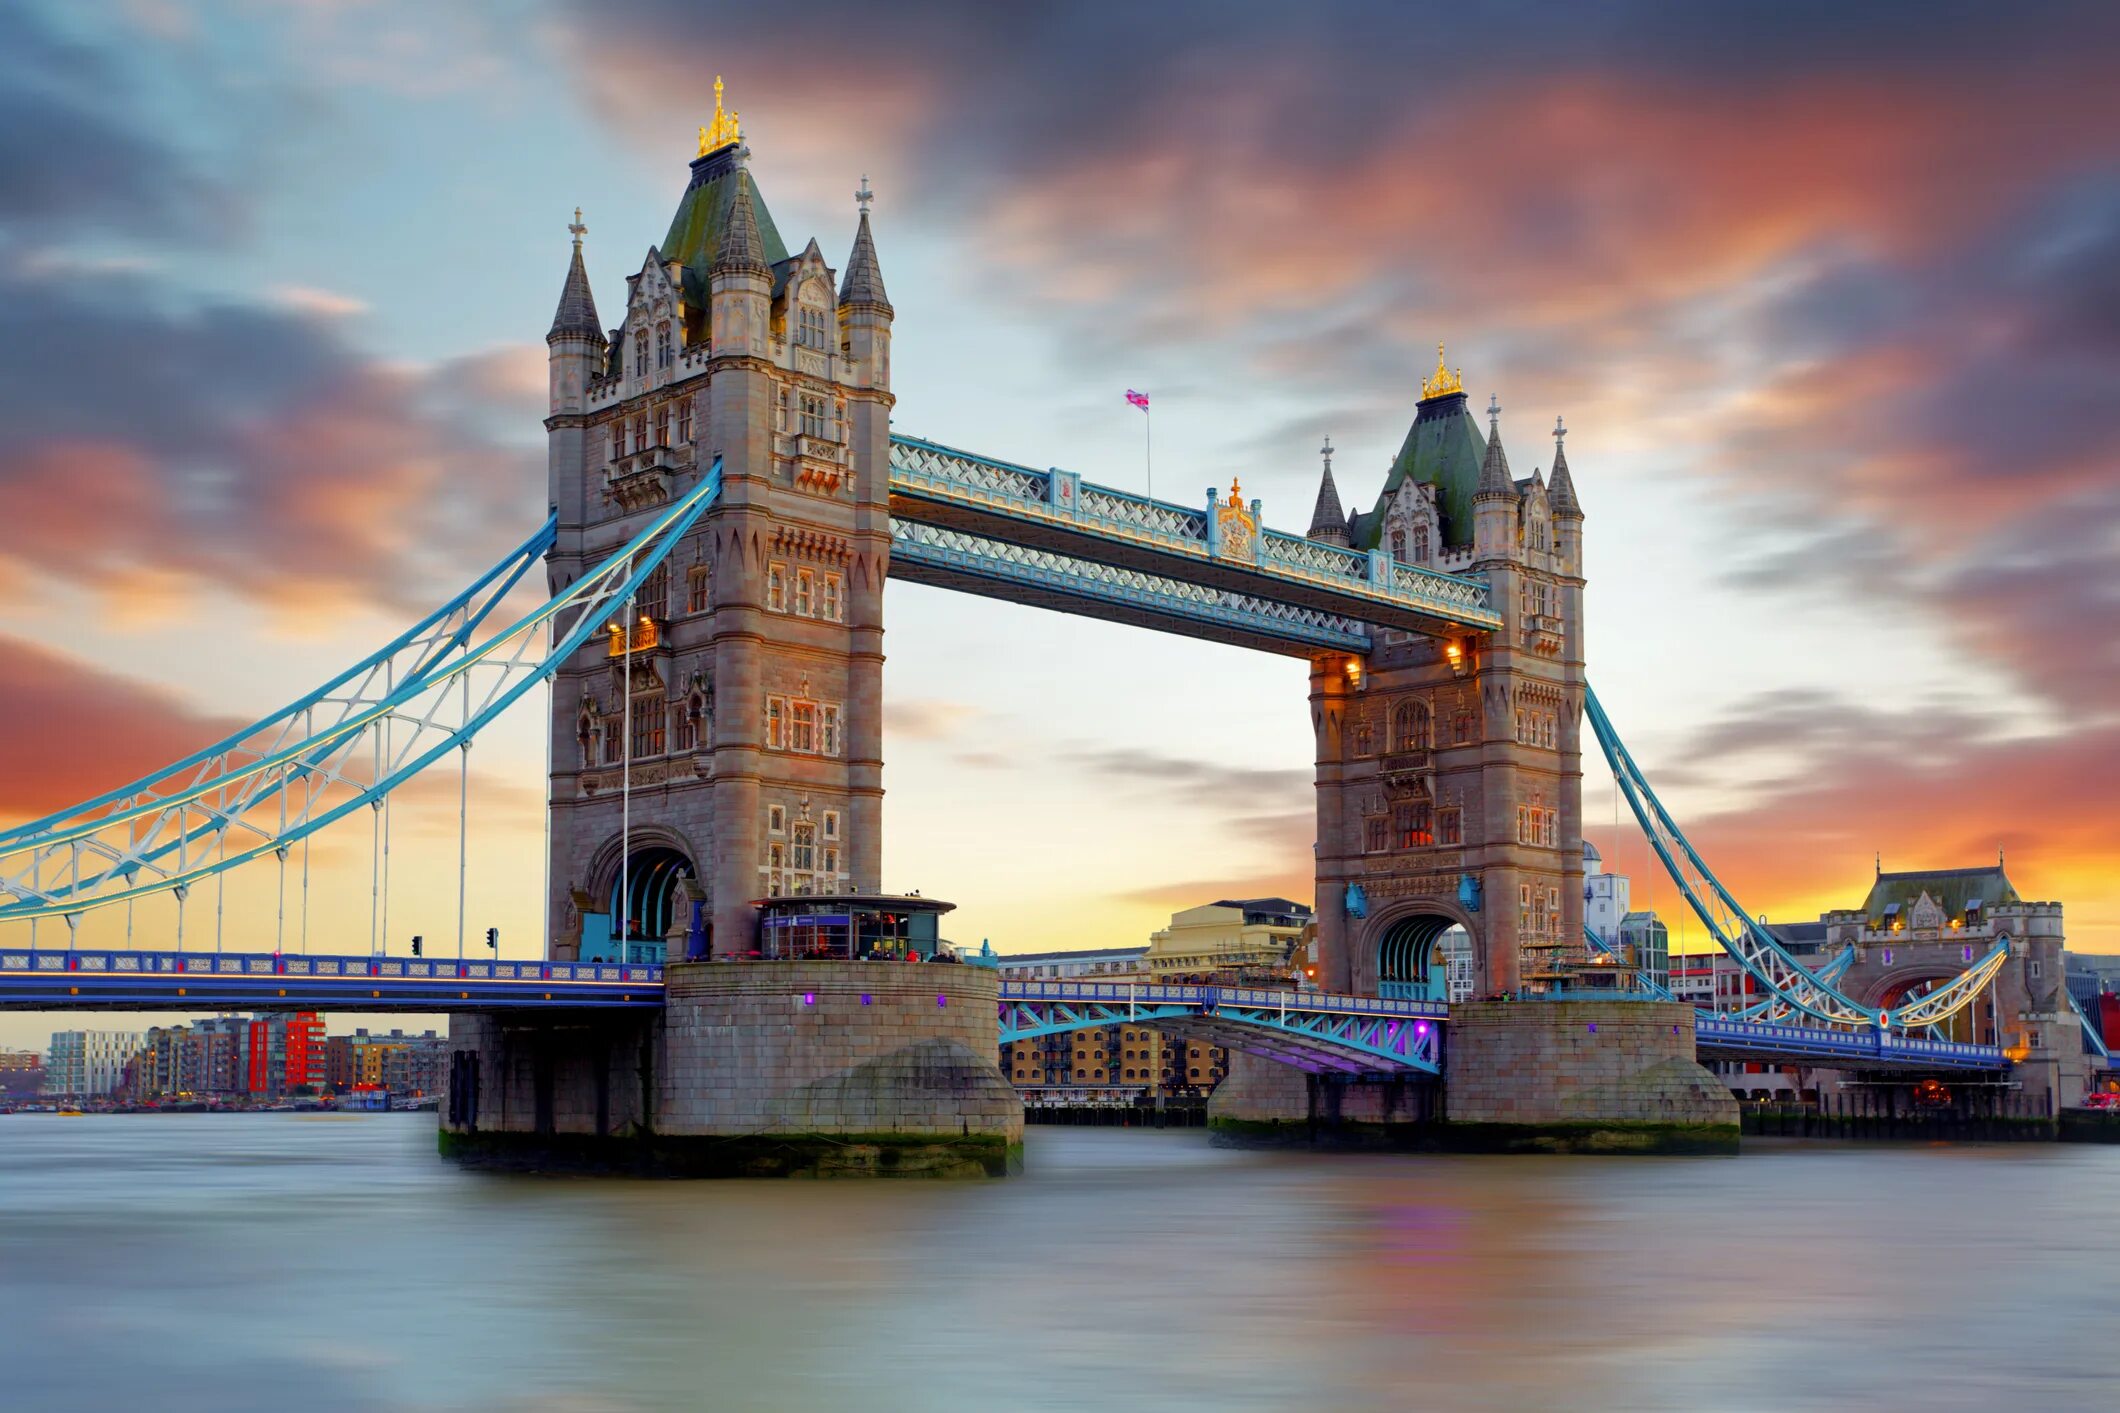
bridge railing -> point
(1209, 997)
(131, 963)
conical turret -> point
(1328, 522)
(863, 284)
(1495, 481)
(1561, 490)
(741, 249)
(576, 315)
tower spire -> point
(742, 249)
(1495, 480)
(726, 129)
(576, 315)
(1328, 522)
(863, 283)
(1561, 489)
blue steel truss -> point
(937, 554)
(257, 792)
(1312, 1031)
(1057, 509)
(205, 981)
(1872, 1049)
(1757, 950)
(2093, 1042)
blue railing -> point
(44, 980)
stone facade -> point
(1580, 1062)
(753, 700)
(1449, 771)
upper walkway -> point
(1214, 571)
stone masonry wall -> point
(558, 1072)
(875, 1048)
(1573, 1062)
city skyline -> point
(1851, 506)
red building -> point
(284, 1054)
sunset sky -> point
(1829, 296)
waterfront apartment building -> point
(1231, 937)
(87, 1063)
(396, 1063)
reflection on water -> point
(230, 1263)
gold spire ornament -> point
(1444, 382)
(724, 131)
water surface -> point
(279, 1261)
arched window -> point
(662, 346)
(1409, 726)
(1398, 544)
(640, 354)
(1420, 544)
(805, 847)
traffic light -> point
(416, 945)
(493, 938)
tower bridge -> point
(727, 502)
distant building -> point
(1229, 936)
(85, 1063)
(21, 1074)
(1638, 936)
(1101, 962)
(396, 1063)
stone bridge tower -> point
(748, 683)
(1449, 773)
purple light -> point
(1674, 1030)
(1593, 1027)
(1421, 1029)
(809, 998)
(942, 1000)
(865, 998)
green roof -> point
(1443, 448)
(695, 231)
(1953, 888)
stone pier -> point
(761, 1069)
(1519, 1076)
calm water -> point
(288, 1262)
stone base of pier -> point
(751, 1069)
(1520, 1077)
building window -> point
(684, 421)
(1462, 731)
(640, 354)
(1409, 726)
(777, 588)
(1377, 834)
(814, 422)
(662, 346)
(1362, 738)
(687, 727)
(1411, 825)
(1420, 543)
(828, 731)
(1450, 827)
(1398, 545)
(662, 425)
(640, 434)
(776, 723)
(776, 819)
(831, 870)
(805, 852)
(649, 714)
(805, 593)
(832, 609)
(614, 740)
(813, 327)
(618, 438)
(804, 734)
(654, 597)
(697, 583)
(831, 824)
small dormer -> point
(805, 312)
(654, 329)
(1413, 525)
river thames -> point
(329, 1263)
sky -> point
(1829, 297)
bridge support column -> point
(760, 1069)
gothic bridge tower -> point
(1449, 773)
(747, 684)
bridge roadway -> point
(1312, 1030)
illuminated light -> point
(1354, 671)
(864, 998)
(809, 998)
(942, 1000)
(1421, 1029)
(1593, 1027)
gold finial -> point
(724, 130)
(1444, 380)
(1236, 492)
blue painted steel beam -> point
(1058, 511)
(1850, 1049)
(956, 559)
(263, 981)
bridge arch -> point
(1400, 946)
(658, 857)
(1904, 983)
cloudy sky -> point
(1830, 300)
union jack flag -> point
(1138, 399)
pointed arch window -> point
(1398, 545)
(1420, 544)
(640, 353)
(1409, 726)
(663, 357)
